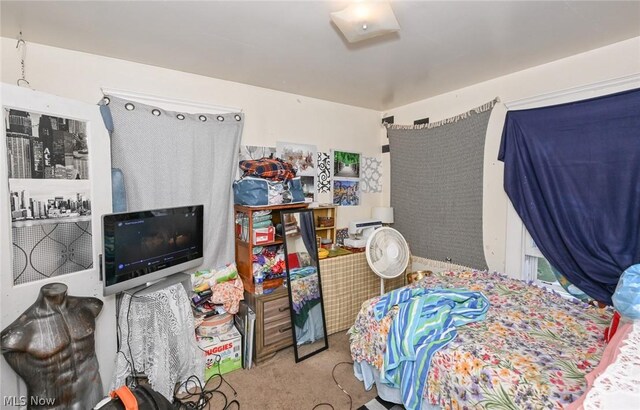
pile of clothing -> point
(216, 298)
(267, 181)
(268, 262)
(273, 169)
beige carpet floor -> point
(282, 384)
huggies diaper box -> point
(227, 346)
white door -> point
(18, 294)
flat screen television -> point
(142, 247)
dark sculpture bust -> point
(52, 347)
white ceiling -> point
(293, 46)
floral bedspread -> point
(531, 352)
(304, 287)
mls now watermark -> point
(17, 401)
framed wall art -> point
(346, 192)
(345, 178)
(346, 164)
(301, 156)
(50, 195)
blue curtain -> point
(308, 232)
(572, 172)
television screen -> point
(145, 246)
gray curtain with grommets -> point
(170, 159)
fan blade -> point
(381, 265)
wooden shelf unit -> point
(244, 248)
(326, 232)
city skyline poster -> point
(49, 194)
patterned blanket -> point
(531, 352)
(304, 292)
(268, 168)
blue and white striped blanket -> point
(426, 321)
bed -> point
(532, 350)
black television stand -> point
(180, 277)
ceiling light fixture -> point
(364, 20)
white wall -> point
(270, 116)
(617, 60)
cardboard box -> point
(263, 235)
(228, 346)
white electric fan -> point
(387, 254)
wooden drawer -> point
(273, 322)
(277, 309)
(277, 321)
(278, 331)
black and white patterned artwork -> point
(371, 177)
(324, 172)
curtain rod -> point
(569, 94)
(151, 99)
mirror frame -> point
(283, 214)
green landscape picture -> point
(346, 164)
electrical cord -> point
(340, 387)
(130, 363)
(203, 395)
(185, 402)
(119, 334)
(134, 373)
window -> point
(537, 268)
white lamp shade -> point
(383, 214)
(364, 20)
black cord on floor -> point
(132, 368)
(134, 373)
(202, 394)
(340, 387)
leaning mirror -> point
(305, 291)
